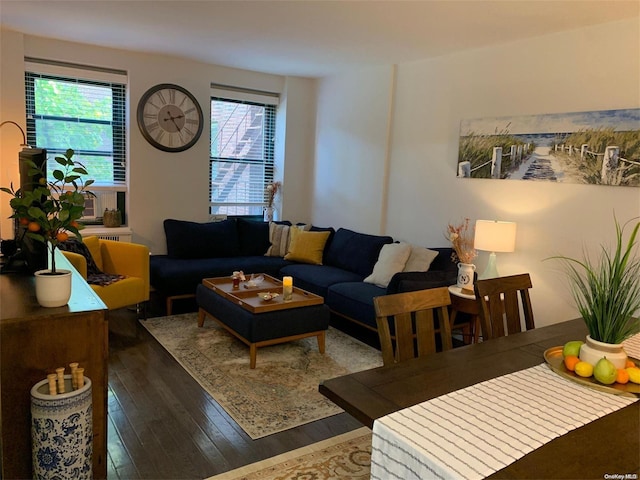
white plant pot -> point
(62, 431)
(593, 350)
(53, 290)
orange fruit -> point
(24, 221)
(570, 362)
(33, 227)
(629, 364)
(74, 224)
(622, 376)
(62, 236)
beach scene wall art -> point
(598, 148)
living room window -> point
(82, 108)
(242, 150)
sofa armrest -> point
(78, 262)
(122, 258)
(411, 281)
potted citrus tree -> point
(607, 295)
(48, 213)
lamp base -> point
(492, 268)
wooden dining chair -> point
(499, 306)
(414, 323)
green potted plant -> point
(607, 295)
(50, 211)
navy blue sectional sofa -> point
(201, 250)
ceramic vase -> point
(62, 431)
(269, 213)
(593, 350)
(53, 290)
(465, 276)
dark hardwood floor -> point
(163, 425)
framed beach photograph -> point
(597, 147)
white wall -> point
(351, 145)
(162, 184)
(586, 69)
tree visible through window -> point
(242, 153)
(87, 116)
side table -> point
(465, 303)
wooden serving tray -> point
(247, 297)
(553, 357)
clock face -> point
(170, 118)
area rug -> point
(282, 391)
(347, 456)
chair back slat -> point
(499, 305)
(406, 310)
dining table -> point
(418, 413)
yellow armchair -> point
(117, 258)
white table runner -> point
(474, 432)
(632, 346)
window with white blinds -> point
(242, 150)
(69, 106)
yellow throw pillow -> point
(307, 247)
(93, 244)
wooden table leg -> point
(201, 315)
(322, 341)
(253, 352)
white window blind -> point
(242, 150)
(82, 108)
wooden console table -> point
(33, 342)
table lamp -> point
(494, 236)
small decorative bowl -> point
(254, 281)
(267, 296)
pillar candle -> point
(287, 288)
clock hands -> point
(173, 119)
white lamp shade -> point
(495, 236)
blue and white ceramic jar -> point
(62, 431)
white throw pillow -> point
(420, 259)
(391, 260)
(279, 238)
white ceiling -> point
(305, 37)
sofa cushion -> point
(391, 260)
(278, 239)
(93, 244)
(253, 236)
(441, 273)
(306, 247)
(317, 278)
(355, 252)
(420, 259)
(354, 300)
(201, 240)
(171, 276)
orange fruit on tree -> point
(62, 236)
(33, 227)
(622, 376)
(74, 224)
(570, 362)
(24, 221)
(629, 364)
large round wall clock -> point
(170, 118)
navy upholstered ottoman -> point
(263, 328)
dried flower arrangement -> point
(272, 190)
(461, 237)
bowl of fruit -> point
(603, 375)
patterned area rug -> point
(347, 456)
(282, 391)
